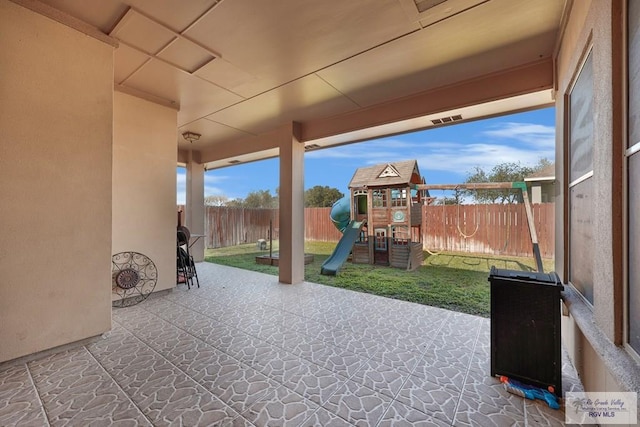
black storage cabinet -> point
(525, 327)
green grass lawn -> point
(456, 281)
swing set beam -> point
(473, 186)
(517, 185)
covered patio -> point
(99, 101)
(244, 350)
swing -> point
(506, 242)
(458, 222)
(443, 222)
(465, 236)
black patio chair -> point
(185, 266)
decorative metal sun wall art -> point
(134, 277)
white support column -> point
(194, 208)
(291, 225)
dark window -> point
(634, 73)
(633, 174)
(634, 250)
(581, 181)
(581, 238)
(381, 239)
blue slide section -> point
(341, 213)
(340, 254)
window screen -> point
(581, 181)
(633, 174)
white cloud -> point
(463, 158)
(363, 150)
(210, 184)
(510, 143)
(211, 187)
(477, 144)
(537, 135)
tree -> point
(235, 203)
(260, 199)
(321, 196)
(543, 163)
(481, 196)
(221, 200)
(503, 172)
(456, 199)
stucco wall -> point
(593, 334)
(144, 183)
(56, 103)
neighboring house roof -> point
(545, 174)
(386, 174)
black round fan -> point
(134, 277)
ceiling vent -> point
(311, 147)
(423, 5)
(449, 119)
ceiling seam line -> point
(225, 125)
(455, 14)
(202, 15)
(313, 72)
(284, 83)
(117, 21)
(175, 33)
(339, 91)
(145, 62)
(323, 68)
(164, 61)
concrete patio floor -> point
(243, 350)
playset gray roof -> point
(385, 174)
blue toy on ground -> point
(530, 392)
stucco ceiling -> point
(240, 68)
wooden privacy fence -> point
(226, 226)
(491, 229)
(318, 225)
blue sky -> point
(445, 155)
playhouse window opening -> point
(398, 197)
(400, 236)
(360, 202)
(379, 198)
(363, 237)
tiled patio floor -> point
(244, 350)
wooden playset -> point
(385, 200)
